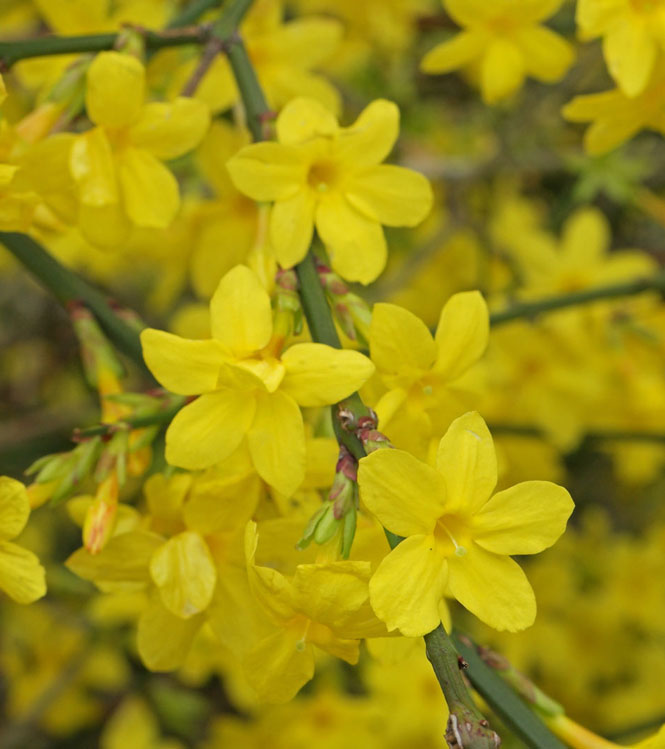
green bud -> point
(327, 526)
(348, 532)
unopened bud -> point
(327, 526)
(99, 524)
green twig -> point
(131, 422)
(505, 703)
(577, 298)
(44, 46)
(68, 287)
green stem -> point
(503, 700)
(21, 49)
(577, 298)
(68, 287)
(131, 422)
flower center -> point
(452, 533)
(323, 175)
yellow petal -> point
(357, 245)
(276, 441)
(167, 130)
(630, 51)
(91, 165)
(492, 587)
(455, 53)
(181, 365)
(547, 55)
(164, 639)
(586, 237)
(21, 575)
(105, 226)
(292, 226)
(407, 586)
(524, 519)
(240, 312)
(467, 460)
(185, 574)
(391, 195)
(336, 594)
(303, 119)
(371, 137)
(3, 90)
(462, 333)
(14, 507)
(209, 429)
(278, 666)
(399, 342)
(306, 42)
(606, 134)
(405, 494)
(592, 106)
(268, 171)
(319, 375)
(115, 89)
(124, 559)
(502, 71)
(150, 191)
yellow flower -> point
(424, 374)
(248, 390)
(615, 118)
(117, 165)
(21, 574)
(505, 40)
(458, 537)
(633, 35)
(581, 261)
(320, 174)
(323, 606)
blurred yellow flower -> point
(117, 165)
(505, 39)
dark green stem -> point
(68, 287)
(44, 46)
(131, 422)
(577, 298)
(505, 703)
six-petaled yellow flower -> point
(117, 165)
(247, 389)
(505, 41)
(458, 537)
(322, 175)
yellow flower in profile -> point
(505, 39)
(21, 574)
(425, 374)
(633, 33)
(458, 537)
(615, 117)
(248, 389)
(320, 174)
(117, 165)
